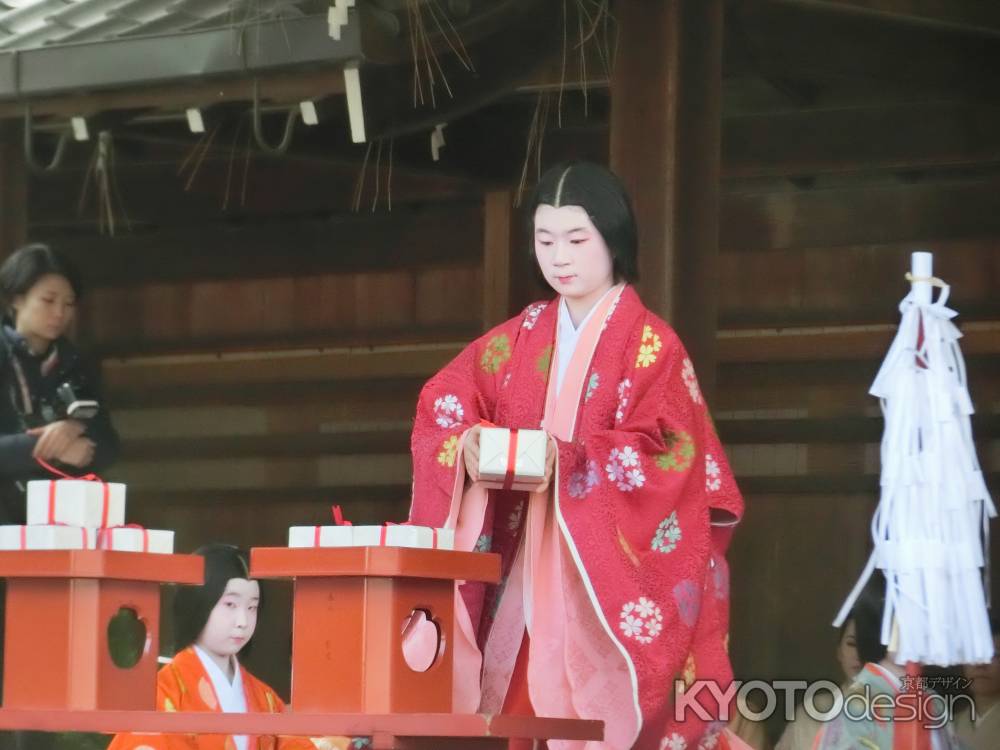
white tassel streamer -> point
(931, 523)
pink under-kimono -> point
(617, 572)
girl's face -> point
(45, 311)
(233, 620)
(847, 652)
(572, 254)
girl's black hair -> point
(599, 192)
(867, 616)
(194, 604)
(23, 269)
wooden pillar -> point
(13, 189)
(499, 240)
(666, 112)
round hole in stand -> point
(128, 638)
(422, 641)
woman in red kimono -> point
(216, 621)
(614, 595)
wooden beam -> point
(836, 217)
(969, 16)
(231, 181)
(410, 237)
(804, 287)
(837, 343)
(797, 41)
(853, 430)
(829, 484)
(281, 366)
(395, 438)
(860, 139)
(360, 503)
(210, 475)
(665, 144)
(290, 393)
(276, 88)
(355, 442)
(499, 242)
(13, 189)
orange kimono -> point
(184, 685)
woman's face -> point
(46, 310)
(233, 619)
(572, 254)
(847, 651)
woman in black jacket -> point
(50, 401)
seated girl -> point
(216, 621)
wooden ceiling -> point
(838, 94)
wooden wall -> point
(263, 356)
(264, 364)
(254, 398)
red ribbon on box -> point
(107, 533)
(508, 480)
(24, 535)
(338, 517)
(85, 478)
(383, 533)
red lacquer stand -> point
(350, 608)
(349, 675)
(59, 606)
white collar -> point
(215, 671)
(569, 336)
(566, 322)
(230, 694)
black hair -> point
(22, 270)
(599, 192)
(867, 616)
(194, 604)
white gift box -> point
(320, 536)
(401, 535)
(47, 537)
(529, 458)
(135, 539)
(76, 502)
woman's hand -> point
(551, 451)
(55, 439)
(470, 452)
(79, 454)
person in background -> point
(801, 731)
(214, 622)
(51, 405)
(880, 677)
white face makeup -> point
(232, 621)
(572, 254)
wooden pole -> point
(13, 189)
(666, 107)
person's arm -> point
(16, 460)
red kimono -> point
(617, 573)
(184, 685)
